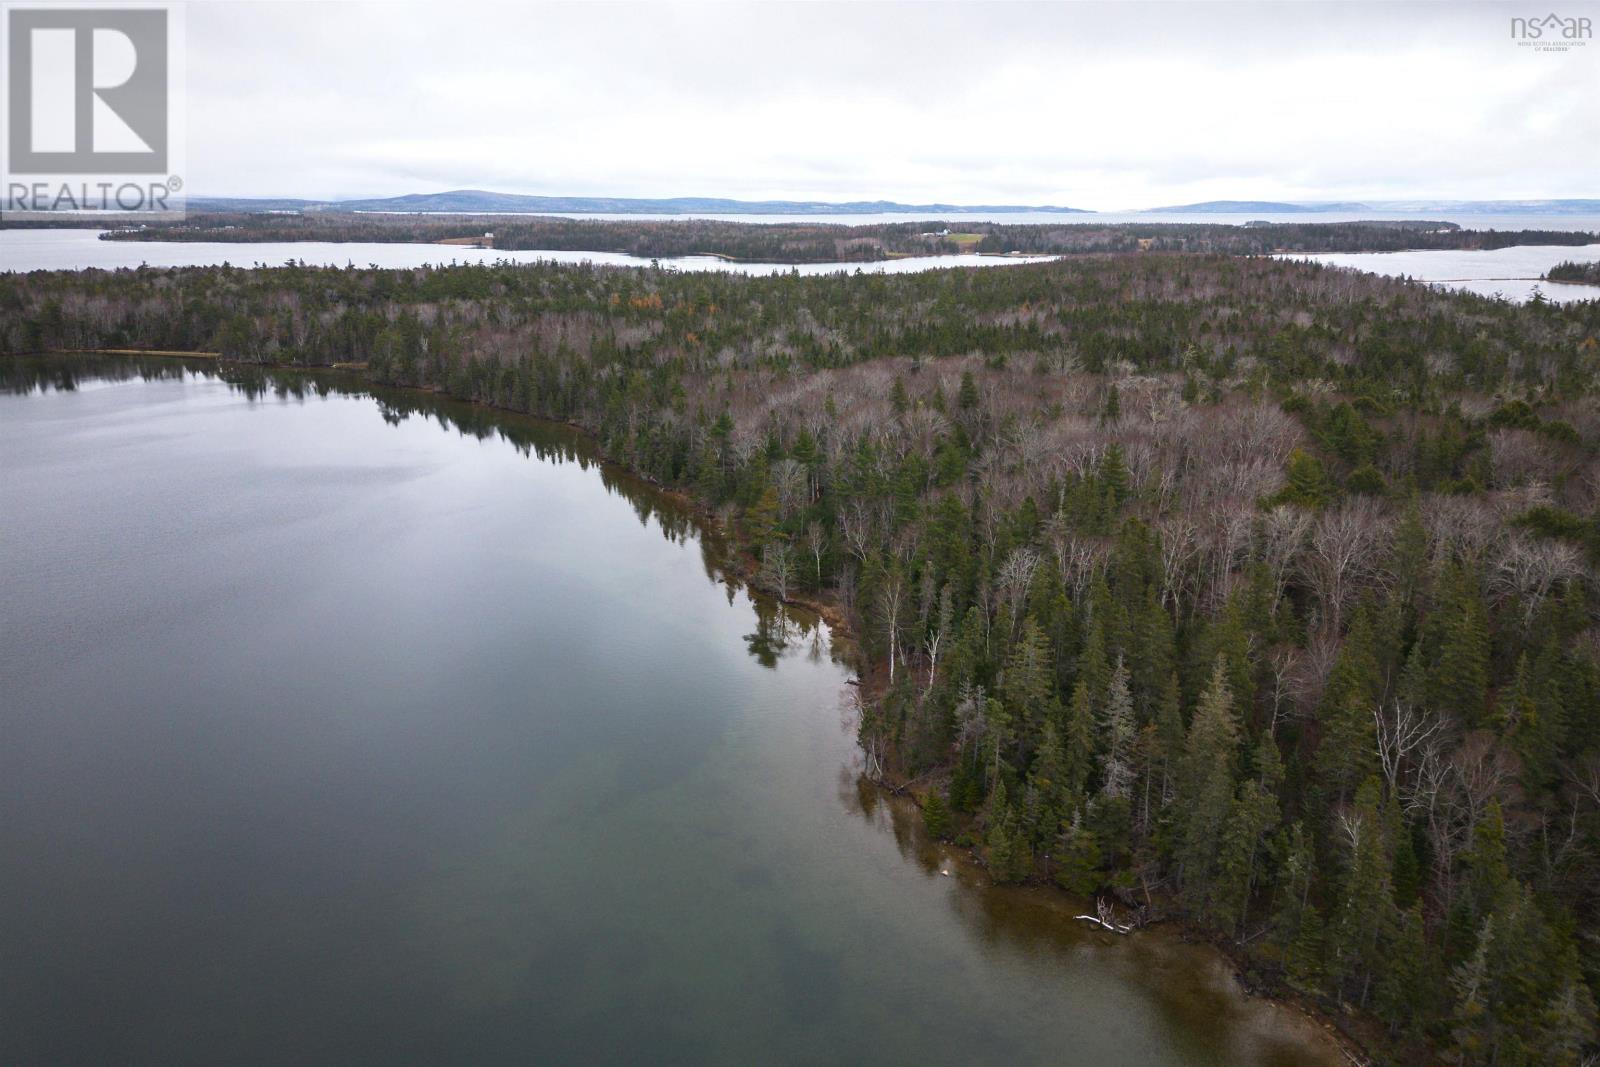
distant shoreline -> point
(480, 201)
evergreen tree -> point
(1049, 778)
(1489, 878)
(1306, 958)
(1094, 664)
(1169, 731)
(1401, 992)
(1010, 858)
(1079, 742)
(1307, 482)
(1118, 731)
(1113, 407)
(998, 722)
(1205, 789)
(1078, 869)
(1410, 552)
(1567, 1026)
(1003, 849)
(967, 397)
(936, 815)
(1253, 814)
(1459, 636)
(1366, 910)
(1113, 474)
(1296, 875)
(1518, 718)
(1348, 752)
(761, 518)
(1028, 686)
(1471, 982)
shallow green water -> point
(333, 732)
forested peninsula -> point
(1255, 594)
(811, 242)
(1576, 273)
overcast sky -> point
(1097, 105)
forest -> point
(1250, 594)
(1581, 273)
(837, 242)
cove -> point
(349, 726)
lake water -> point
(342, 728)
(24, 250)
(1485, 221)
(1512, 273)
(1508, 272)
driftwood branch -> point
(1107, 918)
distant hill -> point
(1494, 207)
(1230, 207)
(1461, 207)
(477, 201)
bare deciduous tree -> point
(1531, 569)
(1015, 578)
(777, 567)
(1287, 685)
(791, 480)
(1402, 733)
(972, 721)
(1282, 537)
(1346, 545)
(816, 543)
(858, 527)
(1451, 793)
(1179, 548)
(938, 629)
(892, 597)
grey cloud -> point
(1092, 104)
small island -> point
(1574, 273)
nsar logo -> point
(1552, 33)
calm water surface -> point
(341, 728)
(25, 250)
(1512, 273)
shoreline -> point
(743, 565)
(165, 353)
(1173, 930)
